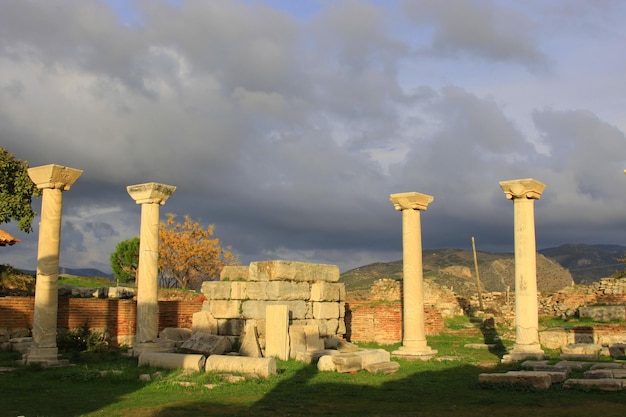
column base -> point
(46, 357)
(524, 352)
(423, 353)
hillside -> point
(454, 268)
(588, 263)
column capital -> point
(410, 200)
(150, 192)
(54, 176)
(522, 188)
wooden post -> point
(480, 297)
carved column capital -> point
(410, 200)
(523, 188)
(150, 193)
(54, 176)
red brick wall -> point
(117, 316)
(381, 322)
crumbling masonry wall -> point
(311, 292)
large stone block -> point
(277, 336)
(370, 356)
(239, 290)
(278, 290)
(203, 321)
(230, 327)
(194, 362)
(538, 380)
(325, 310)
(225, 309)
(347, 362)
(293, 271)
(326, 291)
(553, 338)
(216, 290)
(235, 273)
(249, 342)
(255, 309)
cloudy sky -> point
(288, 124)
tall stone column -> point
(151, 196)
(524, 192)
(414, 344)
(53, 180)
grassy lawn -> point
(435, 388)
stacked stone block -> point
(311, 292)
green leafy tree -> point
(16, 192)
(125, 260)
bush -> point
(83, 339)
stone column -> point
(413, 335)
(524, 192)
(53, 180)
(150, 195)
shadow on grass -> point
(429, 389)
(492, 338)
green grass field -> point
(435, 388)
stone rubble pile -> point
(605, 376)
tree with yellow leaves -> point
(189, 254)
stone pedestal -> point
(524, 192)
(414, 346)
(53, 180)
(150, 196)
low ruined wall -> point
(381, 322)
(311, 292)
(118, 317)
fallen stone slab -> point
(263, 367)
(598, 374)
(605, 384)
(580, 356)
(538, 380)
(345, 346)
(532, 364)
(382, 367)
(348, 362)
(369, 356)
(608, 365)
(578, 365)
(617, 350)
(480, 346)
(194, 362)
(206, 344)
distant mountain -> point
(79, 272)
(588, 263)
(454, 268)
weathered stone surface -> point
(239, 290)
(225, 309)
(235, 273)
(345, 346)
(348, 362)
(581, 348)
(297, 340)
(598, 374)
(293, 271)
(21, 344)
(480, 346)
(255, 309)
(206, 344)
(276, 334)
(382, 367)
(263, 367)
(249, 342)
(175, 334)
(617, 350)
(553, 338)
(194, 362)
(538, 380)
(278, 290)
(326, 364)
(369, 356)
(216, 290)
(325, 310)
(606, 384)
(230, 327)
(327, 291)
(313, 356)
(204, 322)
(603, 313)
(573, 364)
